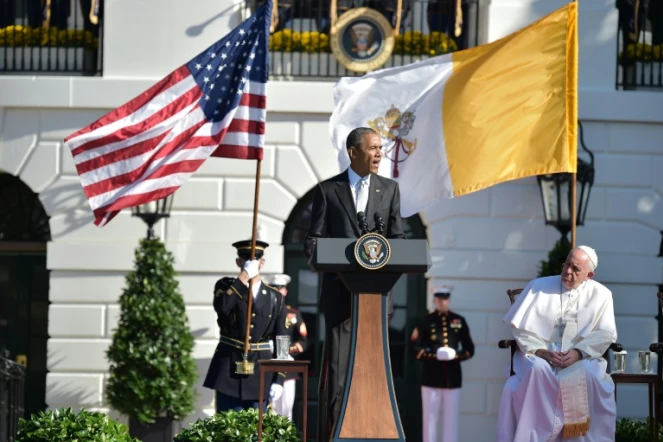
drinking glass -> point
(620, 362)
(282, 347)
(645, 361)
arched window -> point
(409, 298)
(24, 282)
(23, 217)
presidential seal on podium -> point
(372, 251)
(362, 39)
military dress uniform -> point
(240, 391)
(446, 336)
(296, 330)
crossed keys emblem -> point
(395, 126)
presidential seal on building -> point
(362, 40)
(372, 251)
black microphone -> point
(363, 224)
(379, 224)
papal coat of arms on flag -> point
(394, 127)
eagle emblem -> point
(363, 39)
(372, 251)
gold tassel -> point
(94, 18)
(47, 14)
(399, 9)
(459, 19)
(332, 15)
(634, 35)
(575, 430)
(275, 16)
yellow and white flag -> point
(461, 122)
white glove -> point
(271, 345)
(275, 392)
(445, 354)
(252, 268)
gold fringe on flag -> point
(575, 430)
(399, 9)
(459, 18)
(275, 16)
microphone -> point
(363, 224)
(379, 224)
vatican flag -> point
(465, 121)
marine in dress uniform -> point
(241, 391)
(296, 329)
(442, 340)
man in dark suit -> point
(240, 391)
(336, 203)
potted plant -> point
(629, 430)
(241, 426)
(556, 258)
(152, 372)
(65, 425)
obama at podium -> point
(336, 203)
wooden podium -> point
(368, 410)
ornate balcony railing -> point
(12, 381)
(640, 45)
(301, 44)
(51, 36)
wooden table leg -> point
(305, 415)
(262, 386)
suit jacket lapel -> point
(345, 196)
(374, 198)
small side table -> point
(652, 382)
(283, 366)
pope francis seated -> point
(560, 390)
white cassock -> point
(544, 403)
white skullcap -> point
(279, 280)
(591, 255)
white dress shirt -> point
(354, 179)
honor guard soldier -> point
(296, 329)
(234, 390)
(442, 340)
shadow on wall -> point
(234, 20)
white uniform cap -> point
(443, 289)
(591, 255)
(279, 280)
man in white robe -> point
(563, 325)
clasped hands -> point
(561, 359)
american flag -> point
(213, 105)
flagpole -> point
(247, 331)
(574, 208)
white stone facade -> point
(482, 243)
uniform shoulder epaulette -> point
(223, 285)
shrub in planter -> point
(556, 258)
(152, 371)
(240, 426)
(634, 431)
(65, 425)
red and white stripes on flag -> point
(147, 148)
